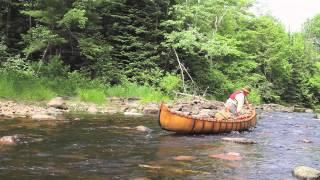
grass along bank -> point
(30, 88)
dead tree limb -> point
(181, 69)
(187, 73)
(43, 57)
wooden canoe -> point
(172, 121)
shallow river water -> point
(101, 147)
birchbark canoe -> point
(186, 124)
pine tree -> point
(135, 35)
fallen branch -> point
(189, 95)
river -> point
(108, 147)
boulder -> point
(53, 111)
(116, 100)
(151, 109)
(58, 103)
(309, 111)
(299, 109)
(133, 110)
(92, 109)
(304, 172)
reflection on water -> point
(109, 147)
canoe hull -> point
(188, 125)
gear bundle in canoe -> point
(171, 119)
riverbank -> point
(56, 107)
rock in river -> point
(9, 140)
(304, 172)
(231, 156)
(184, 158)
(143, 129)
(132, 114)
(43, 117)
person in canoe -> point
(236, 100)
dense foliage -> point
(104, 47)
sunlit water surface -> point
(99, 147)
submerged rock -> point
(304, 172)
(306, 141)
(149, 166)
(132, 114)
(184, 158)
(141, 178)
(231, 156)
(9, 140)
(43, 117)
(143, 129)
(239, 140)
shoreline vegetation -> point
(29, 88)
(25, 95)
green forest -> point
(152, 49)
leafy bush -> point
(254, 97)
(17, 65)
(151, 76)
(53, 69)
(170, 82)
